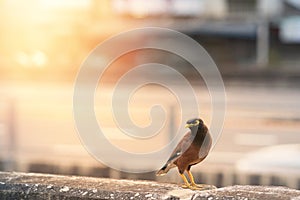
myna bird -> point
(191, 150)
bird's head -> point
(194, 123)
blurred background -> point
(255, 44)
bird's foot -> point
(202, 187)
(198, 187)
(185, 186)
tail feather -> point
(164, 170)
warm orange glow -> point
(64, 3)
(36, 59)
(38, 36)
(138, 9)
(23, 59)
(39, 59)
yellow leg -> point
(198, 187)
(186, 183)
(191, 178)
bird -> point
(191, 150)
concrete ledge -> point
(42, 186)
(245, 192)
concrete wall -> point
(44, 186)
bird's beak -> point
(187, 126)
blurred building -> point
(46, 40)
(45, 37)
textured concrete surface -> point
(249, 193)
(43, 186)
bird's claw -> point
(199, 187)
(203, 187)
(185, 186)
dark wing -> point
(182, 146)
(205, 146)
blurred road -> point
(258, 115)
